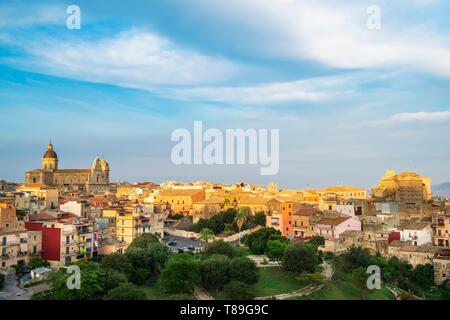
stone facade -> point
(92, 180)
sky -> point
(350, 101)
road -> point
(12, 291)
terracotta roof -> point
(181, 192)
(41, 216)
(333, 221)
(414, 225)
(343, 189)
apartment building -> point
(65, 237)
(13, 237)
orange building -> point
(280, 216)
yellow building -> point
(405, 187)
(130, 223)
(181, 201)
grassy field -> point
(272, 281)
(156, 292)
(275, 281)
(343, 287)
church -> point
(91, 180)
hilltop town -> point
(64, 216)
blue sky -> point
(349, 102)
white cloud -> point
(332, 33)
(433, 117)
(309, 90)
(132, 59)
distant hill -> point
(442, 190)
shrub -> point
(236, 290)
(300, 257)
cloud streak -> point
(132, 59)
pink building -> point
(331, 228)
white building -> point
(81, 209)
(418, 232)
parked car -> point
(172, 243)
(193, 238)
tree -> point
(116, 261)
(215, 271)
(220, 247)
(236, 290)
(317, 241)
(244, 269)
(126, 291)
(206, 234)
(300, 257)
(158, 255)
(423, 276)
(240, 218)
(93, 280)
(275, 249)
(114, 278)
(180, 274)
(358, 257)
(257, 241)
(38, 263)
(260, 218)
(144, 240)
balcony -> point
(70, 253)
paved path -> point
(201, 294)
(327, 272)
(12, 290)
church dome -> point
(50, 153)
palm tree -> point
(206, 234)
(240, 217)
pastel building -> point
(331, 228)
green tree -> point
(317, 241)
(244, 269)
(144, 240)
(260, 219)
(93, 283)
(236, 290)
(215, 271)
(300, 257)
(219, 247)
(116, 261)
(158, 255)
(240, 219)
(206, 234)
(423, 276)
(257, 241)
(126, 291)
(114, 278)
(180, 274)
(275, 249)
(37, 263)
